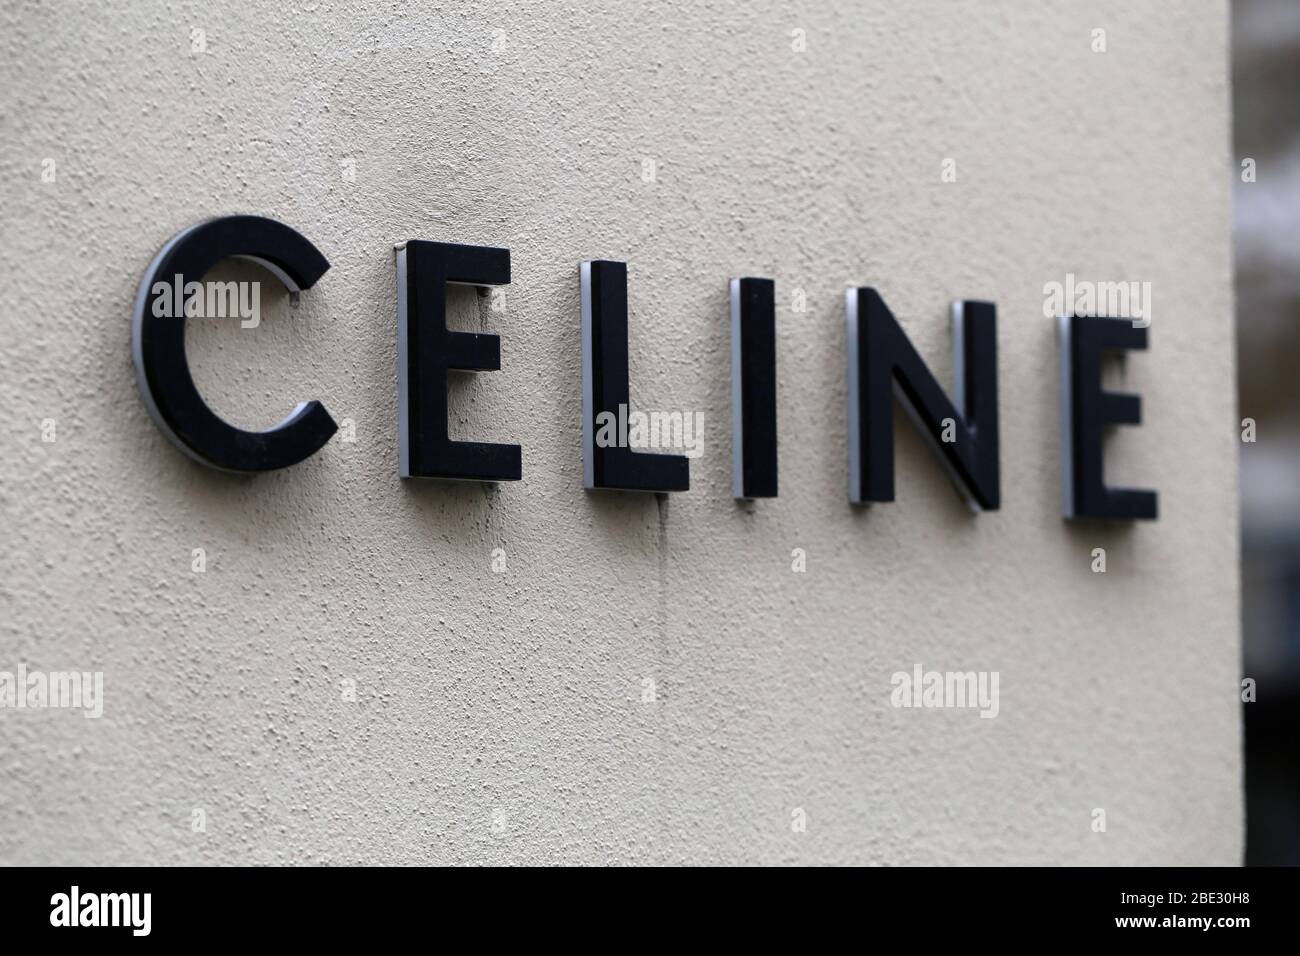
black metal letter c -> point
(158, 345)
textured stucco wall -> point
(499, 717)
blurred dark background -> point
(1266, 129)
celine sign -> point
(881, 360)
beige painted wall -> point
(499, 717)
